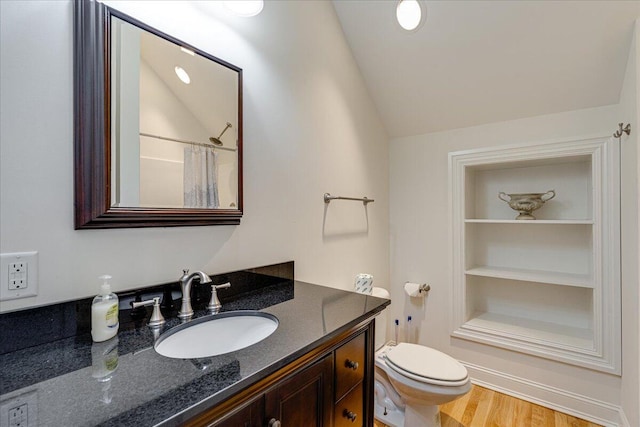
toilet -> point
(411, 380)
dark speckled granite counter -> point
(147, 389)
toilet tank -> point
(381, 319)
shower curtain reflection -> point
(200, 177)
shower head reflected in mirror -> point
(216, 141)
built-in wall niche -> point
(549, 287)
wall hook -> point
(626, 129)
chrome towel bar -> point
(328, 198)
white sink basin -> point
(214, 335)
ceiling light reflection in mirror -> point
(182, 75)
(244, 8)
(162, 126)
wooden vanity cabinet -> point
(331, 386)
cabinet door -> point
(305, 399)
(249, 415)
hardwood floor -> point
(482, 407)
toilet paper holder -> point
(416, 289)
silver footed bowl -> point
(526, 203)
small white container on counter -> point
(104, 313)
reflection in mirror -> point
(174, 124)
(151, 150)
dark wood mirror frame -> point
(92, 132)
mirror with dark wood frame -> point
(150, 150)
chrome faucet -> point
(186, 311)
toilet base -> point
(388, 406)
(388, 413)
(422, 416)
(390, 416)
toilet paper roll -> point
(413, 289)
(364, 283)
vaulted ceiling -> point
(475, 62)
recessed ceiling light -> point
(244, 8)
(182, 75)
(409, 14)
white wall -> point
(629, 98)
(421, 244)
(309, 128)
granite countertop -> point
(70, 386)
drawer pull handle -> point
(349, 415)
(274, 423)
(351, 364)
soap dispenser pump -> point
(104, 313)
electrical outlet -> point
(20, 410)
(19, 275)
(19, 416)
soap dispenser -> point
(104, 313)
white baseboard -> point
(577, 405)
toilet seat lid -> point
(426, 362)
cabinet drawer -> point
(349, 412)
(350, 365)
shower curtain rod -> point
(182, 141)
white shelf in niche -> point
(531, 222)
(534, 331)
(540, 276)
(554, 247)
(548, 287)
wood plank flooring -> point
(482, 407)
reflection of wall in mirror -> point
(227, 180)
(148, 98)
(125, 176)
(161, 162)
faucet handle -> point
(156, 318)
(223, 286)
(214, 305)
